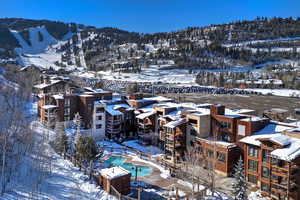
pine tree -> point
(240, 184)
(62, 142)
(86, 149)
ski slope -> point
(41, 53)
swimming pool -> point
(120, 161)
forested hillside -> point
(235, 44)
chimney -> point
(217, 109)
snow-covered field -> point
(278, 92)
(152, 74)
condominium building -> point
(272, 160)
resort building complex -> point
(270, 149)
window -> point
(242, 130)
(226, 137)
(89, 107)
(67, 111)
(253, 151)
(277, 162)
(99, 118)
(67, 102)
(159, 113)
(278, 179)
(99, 110)
(252, 178)
(265, 187)
(98, 126)
(116, 117)
(210, 153)
(252, 165)
(221, 156)
(274, 177)
(265, 172)
(192, 143)
(226, 125)
(193, 121)
(193, 132)
(265, 156)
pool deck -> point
(154, 178)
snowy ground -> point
(278, 92)
(150, 150)
(64, 182)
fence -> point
(115, 193)
(93, 175)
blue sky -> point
(148, 15)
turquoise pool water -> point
(120, 161)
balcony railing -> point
(279, 171)
(117, 121)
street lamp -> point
(136, 171)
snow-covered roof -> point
(44, 85)
(158, 98)
(267, 132)
(280, 139)
(237, 111)
(112, 109)
(145, 115)
(289, 152)
(86, 95)
(198, 112)
(114, 172)
(274, 127)
(273, 132)
(253, 119)
(95, 90)
(211, 140)
(58, 96)
(174, 124)
(47, 107)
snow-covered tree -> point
(77, 121)
(240, 185)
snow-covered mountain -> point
(71, 46)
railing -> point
(117, 194)
(94, 176)
(115, 121)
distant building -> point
(260, 83)
(276, 114)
